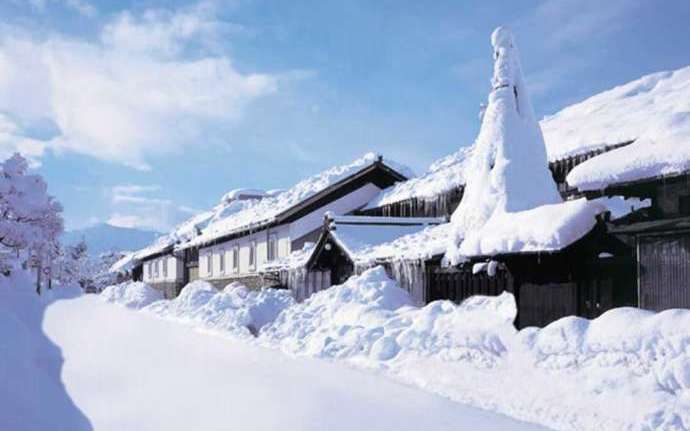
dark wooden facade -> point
(585, 279)
(561, 168)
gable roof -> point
(365, 239)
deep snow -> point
(131, 371)
(32, 395)
(635, 360)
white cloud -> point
(134, 94)
(134, 207)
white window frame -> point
(155, 268)
(272, 248)
(164, 264)
(221, 262)
(236, 258)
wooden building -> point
(585, 279)
(660, 238)
(348, 245)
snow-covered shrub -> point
(133, 294)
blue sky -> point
(142, 112)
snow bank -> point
(236, 309)
(32, 395)
(370, 319)
(131, 294)
(653, 111)
(634, 360)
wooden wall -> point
(664, 271)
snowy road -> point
(130, 371)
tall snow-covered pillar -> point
(509, 171)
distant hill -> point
(104, 237)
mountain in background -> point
(104, 237)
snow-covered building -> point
(436, 193)
(349, 245)
(646, 122)
(249, 229)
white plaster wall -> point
(344, 205)
(174, 269)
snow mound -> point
(133, 294)
(370, 319)
(235, 310)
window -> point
(236, 258)
(155, 268)
(684, 205)
(222, 261)
(252, 254)
(209, 264)
(272, 250)
(164, 263)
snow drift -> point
(235, 310)
(131, 294)
(635, 360)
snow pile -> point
(32, 395)
(635, 360)
(442, 176)
(236, 309)
(509, 183)
(370, 319)
(653, 111)
(131, 294)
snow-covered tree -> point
(509, 170)
(30, 219)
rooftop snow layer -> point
(266, 210)
(544, 228)
(443, 175)
(377, 239)
(654, 111)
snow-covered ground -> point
(128, 370)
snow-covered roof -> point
(124, 264)
(443, 175)
(543, 228)
(369, 238)
(421, 242)
(653, 111)
(266, 210)
(242, 208)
